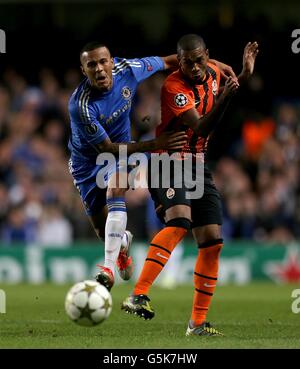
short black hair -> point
(92, 46)
(190, 42)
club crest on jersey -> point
(170, 193)
(91, 129)
(126, 92)
(180, 100)
(214, 87)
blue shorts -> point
(93, 197)
(92, 184)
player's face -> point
(193, 63)
(97, 65)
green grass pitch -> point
(258, 315)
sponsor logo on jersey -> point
(180, 100)
(115, 115)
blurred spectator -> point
(287, 122)
(54, 229)
(4, 202)
(255, 134)
(240, 216)
(18, 229)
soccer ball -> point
(88, 303)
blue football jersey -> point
(96, 115)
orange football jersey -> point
(179, 95)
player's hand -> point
(230, 87)
(171, 140)
(250, 53)
(225, 70)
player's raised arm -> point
(249, 57)
(225, 70)
(167, 141)
(170, 61)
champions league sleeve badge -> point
(180, 100)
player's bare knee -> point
(208, 234)
(116, 192)
(178, 211)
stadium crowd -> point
(258, 173)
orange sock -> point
(159, 252)
(205, 279)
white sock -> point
(114, 231)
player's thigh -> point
(171, 203)
(207, 216)
(117, 184)
(178, 211)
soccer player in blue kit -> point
(100, 123)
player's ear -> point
(112, 62)
(82, 70)
(207, 53)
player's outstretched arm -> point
(170, 62)
(204, 125)
(225, 70)
(249, 57)
(166, 141)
